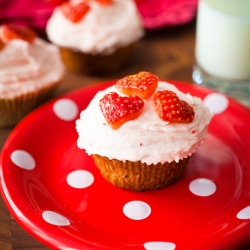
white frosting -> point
(101, 31)
(25, 67)
(147, 138)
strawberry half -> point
(1, 44)
(172, 109)
(13, 31)
(74, 13)
(142, 84)
(118, 110)
(104, 2)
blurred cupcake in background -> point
(95, 36)
(30, 69)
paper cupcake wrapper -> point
(13, 110)
(96, 64)
(139, 176)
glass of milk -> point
(222, 50)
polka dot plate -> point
(54, 190)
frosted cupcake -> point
(141, 132)
(30, 69)
(95, 36)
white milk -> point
(223, 38)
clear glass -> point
(222, 50)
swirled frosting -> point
(25, 67)
(147, 139)
(102, 30)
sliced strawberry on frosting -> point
(1, 44)
(118, 110)
(142, 84)
(104, 2)
(171, 108)
(74, 12)
(13, 31)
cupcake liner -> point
(13, 110)
(139, 176)
(96, 64)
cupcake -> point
(30, 69)
(142, 132)
(95, 36)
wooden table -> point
(168, 53)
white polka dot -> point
(136, 210)
(55, 218)
(202, 187)
(23, 159)
(80, 179)
(244, 213)
(216, 102)
(157, 245)
(65, 109)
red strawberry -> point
(105, 2)
(118, 110)
(172, 109)
(13, 31)
(74, 13)
(1, 44)
(142, 84)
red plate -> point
(208, 208)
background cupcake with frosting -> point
(30, 69)
(95, 36)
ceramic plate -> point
(54, 190)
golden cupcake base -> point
(96, 64)
(138, 176)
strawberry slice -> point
(74, 13)
(142, 84)
(104, 2)
(172, 109)
(118, 110)
(13, 31)
(1, 44)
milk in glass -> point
(223, 41)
